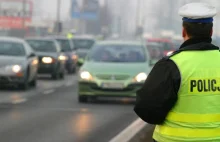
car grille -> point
(112, 77)
(128, 88)
(4, 79)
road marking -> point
(19, 101)
(128, 133)
(48, 91)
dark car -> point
(18, 63)
(166, 44)
(82, 45)
(69, 50)
(51, 59)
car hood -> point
(11, 60)
(116, 68)
(46, 54)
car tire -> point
(82, 99)
(33, 83)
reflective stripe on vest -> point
(196, 115)
(188, 133)
(193, 118)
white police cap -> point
(198, 12)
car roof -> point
(40, 38)
(57, 37)
(120, 42)
(84, 37)
(12, 39)
(159, 40)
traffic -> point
(76, 73)
(109, 71)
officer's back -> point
(182, 93)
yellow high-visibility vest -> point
(196, 115)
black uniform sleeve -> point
(159, 93)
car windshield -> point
(65, 44)
(83, 43)
(42, 45)
(117, 53)
(11, 49)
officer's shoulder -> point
(168, 56)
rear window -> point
(83, 43)
(65, 44)
(42, 45)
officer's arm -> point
(159, 93)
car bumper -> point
(47, 68)
(5, 80)
(92, 89)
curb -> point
(133, 133)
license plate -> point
(112, 85)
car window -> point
(12, 49)
(65, 44)
(42, 45)
(156, 52)
(166, 46)
(83, 43)
(117, 53)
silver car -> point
(18, 63)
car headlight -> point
(74, 57)
(13, 68)
(63, 57)
(141, 77)
(16, 68)
(85, 75)
(47, 60)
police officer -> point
(181, 95)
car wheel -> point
(33, 83)
(83, 99)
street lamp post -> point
(24, 11)
(58, 24)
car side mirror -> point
(32, 55)
(80, 63)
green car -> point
(113, 69)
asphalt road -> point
(51, 113)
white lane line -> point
(19, 101)
(128, 133)
(48, 91)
